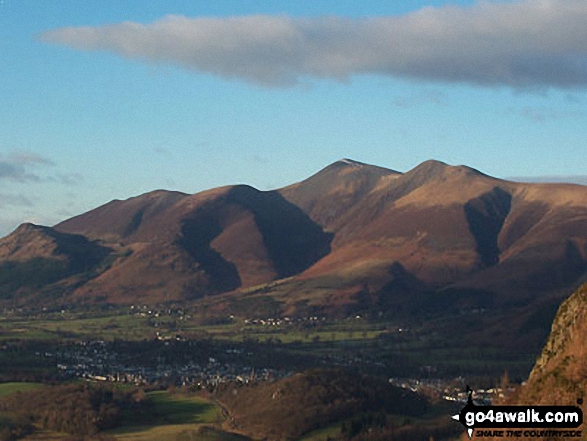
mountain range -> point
(351, 239)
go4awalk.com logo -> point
(520, 421)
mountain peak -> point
(28, 241)
(434, 163)
(347, 161)
(28, 226)
(28, 231)
(352, 166)
(432, 169)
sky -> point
(104, 100)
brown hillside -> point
(514, 250)
(186, 247)
(117, 220)
(330, 193)
(31, 241)
(456, 227)
(288, 408)
(33, 257)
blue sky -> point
(106, 99)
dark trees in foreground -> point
(77, 409)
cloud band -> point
(523, 44)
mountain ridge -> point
(351, 237)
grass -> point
(10, 388)
(206, 433)
(46, 435)
(181, 432)
(293, 335)
(176, 418)
(323, 433)
(178, 409)
(334, 332)
(136, 327)
(129, 327)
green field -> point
(353, 338)
(10, 388)
(180, 432)
(290, 335)
(323, 433)
(177, 418)
(179, 409)
(122, 326)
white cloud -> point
(520, 44)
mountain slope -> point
(121, 220)
(456, 228)
(447, 239)
(352, 238)
(411, 217)
(330, 193)
(186, 247)
(33, 258)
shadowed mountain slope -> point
(443, 223)
(33, 257)
(464, 242)
(186, 247)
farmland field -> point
(176, 418)
(12, 387)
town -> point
(98, 360)
(180, 363)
